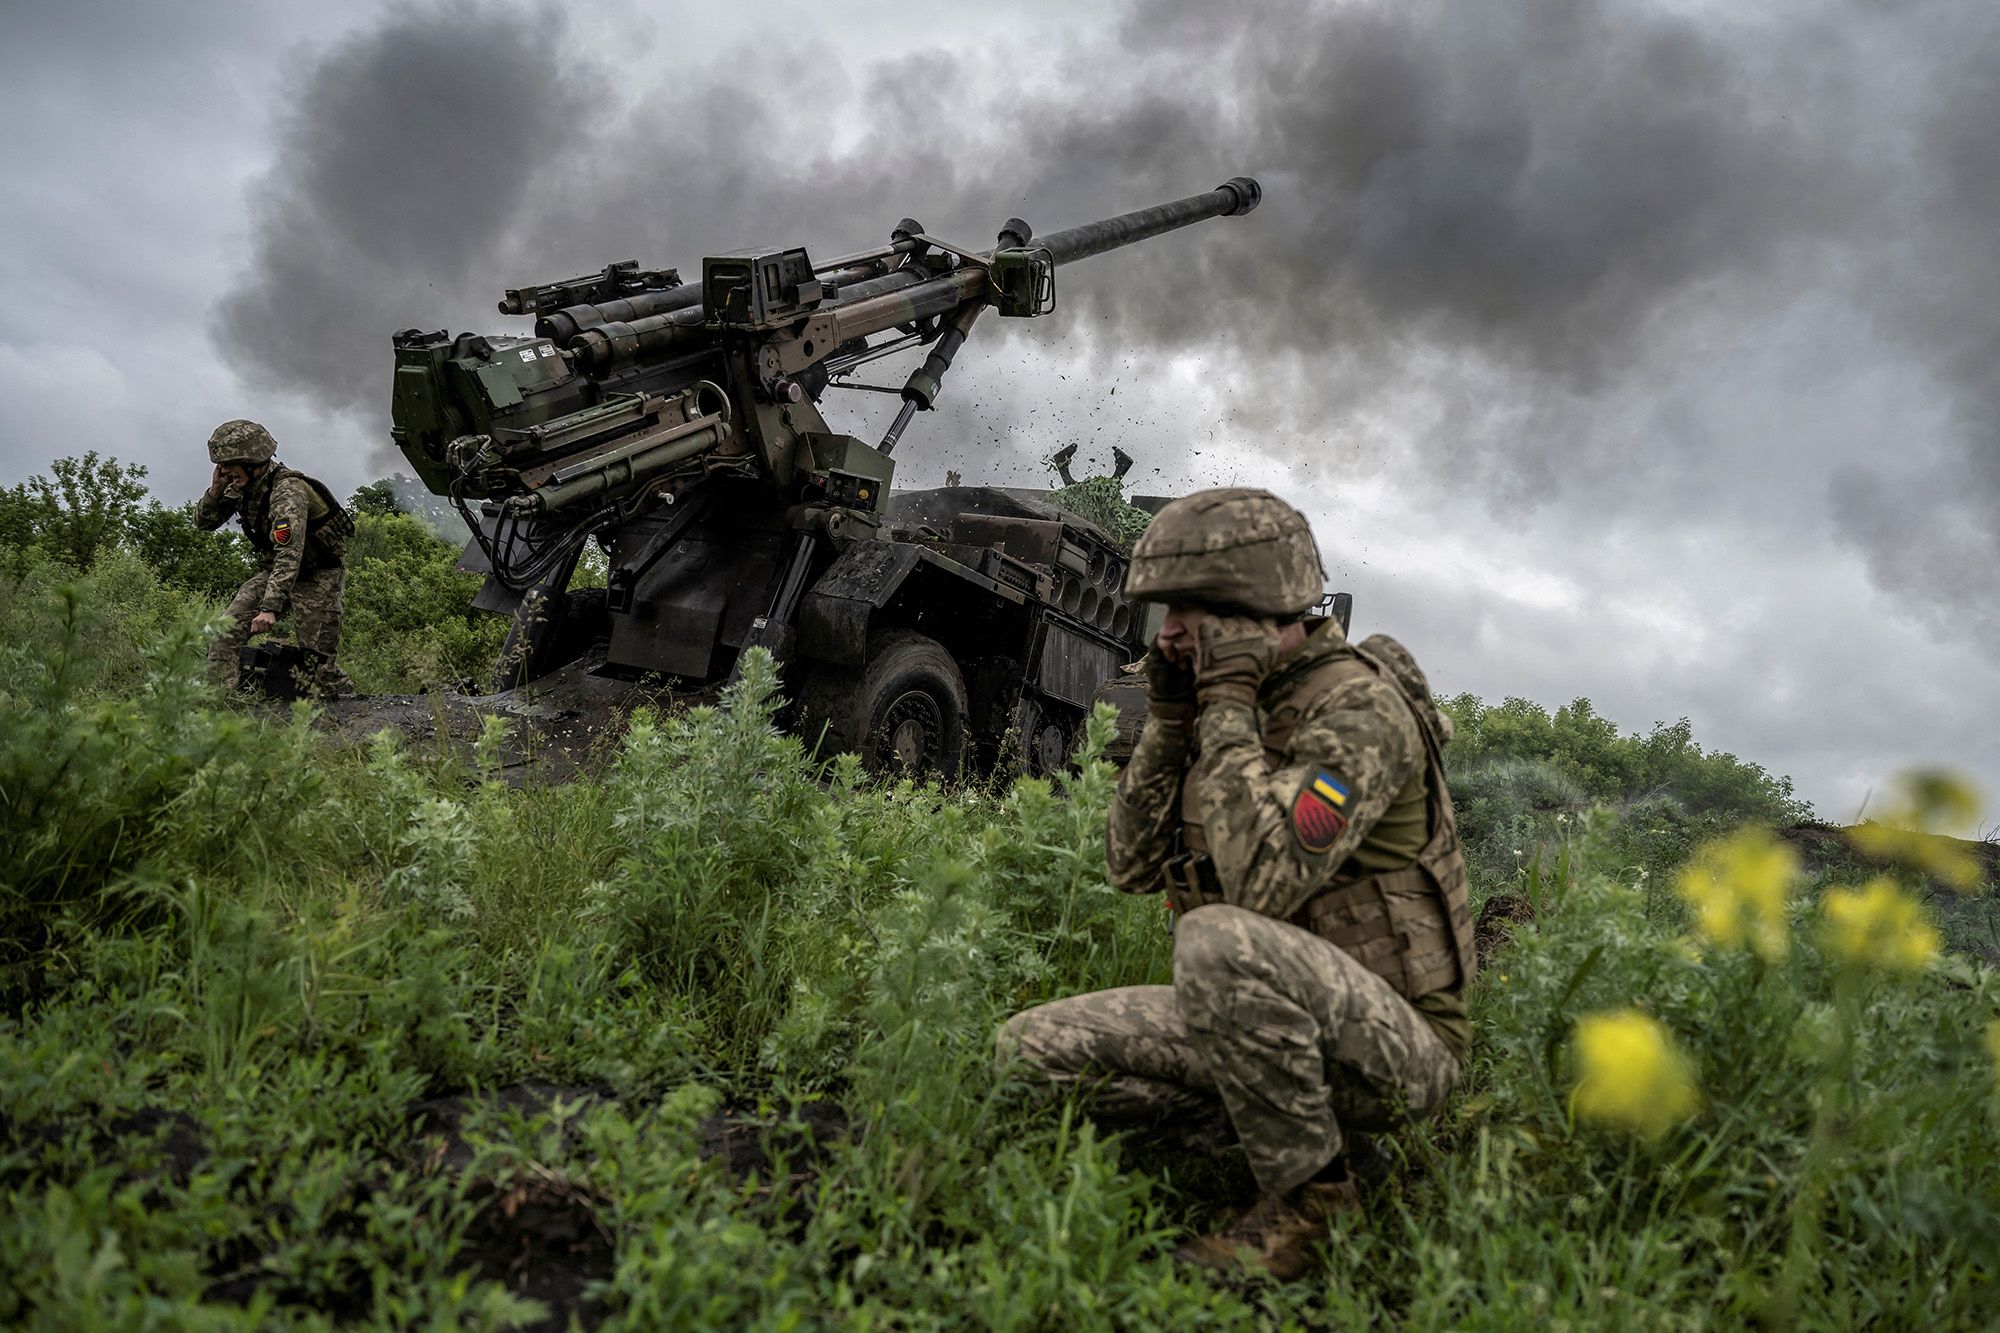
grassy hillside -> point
(299, 1035)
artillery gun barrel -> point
(861, 311)
(870, 304)
(1240, 194)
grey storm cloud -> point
(402, 167)
(1513, 212)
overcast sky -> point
(1641, 350)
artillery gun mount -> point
(678, 426)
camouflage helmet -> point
(241, 442)
(1233, 546)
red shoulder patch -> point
(281, 533)
(1315, 820)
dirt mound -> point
(537, 1232)
(1825, 847)
(150, 1142)
(747, 1144)
(1498, 916)
(568, 722)
(542, 1234)
(1970, 920)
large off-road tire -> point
(1040, 736)
(903, 711)
(549, 633)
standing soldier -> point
(1288, 795)
(300, 534)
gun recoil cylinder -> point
(565, 324)
(921, 390)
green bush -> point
(92, 506)
(1101, 500)
(92, 786)
(210, 564)
(716, 925)
(1588, 750)
(1521, 777)
(243, 959)
(85, 506)
(409, 623)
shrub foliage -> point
(246, 967)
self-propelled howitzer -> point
(678, 423)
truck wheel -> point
(1041, 740)
(903, 711)
(549, 633)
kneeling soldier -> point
(1288, 795)
(299, 532)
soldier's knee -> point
(1006, 1046)
(223, 651)
(1013, 1042)
(1210, 941)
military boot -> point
(1275, 1235)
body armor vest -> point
(328, 525)
(1411, 925)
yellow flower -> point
(1878, 925)
(1939, 799)
(1631, 1074)
(1931, 810)
(1738, 889)
(1932, 853)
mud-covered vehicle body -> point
(971, 627)
(678, 426)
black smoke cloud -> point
(1513, 213)
(402, 168)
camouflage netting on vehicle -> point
(1102, 501)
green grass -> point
(214, 914)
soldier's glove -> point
(1169, 689)
(1233, 658)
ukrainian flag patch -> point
(1318, 812)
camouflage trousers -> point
(315, 613)
(1292, 1037)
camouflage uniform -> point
(299, 532)
(1298, 820)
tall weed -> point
(91, 787)
(289, 944)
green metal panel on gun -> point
(680, 425)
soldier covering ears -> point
(1288, 796)
(299, 532)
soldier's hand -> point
(261, 622)
(1232, 657)
(1169, 687)
(217, 483)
